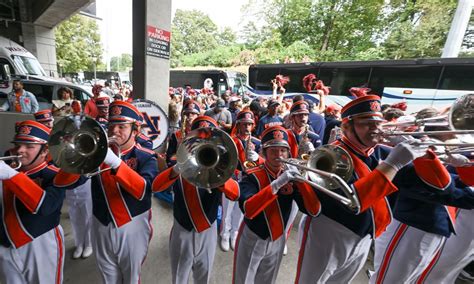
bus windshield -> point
(28, 65)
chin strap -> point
(356, 135)
(37, 155)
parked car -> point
(46, 91)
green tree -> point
(422, 29)
(121, 63)
(226, 37)
(78, 44)
(192, 32)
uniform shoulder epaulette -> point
(143, 135)
(255, 139)
(139, 147)
(53, 168)
(255, 169)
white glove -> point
(335, 134)
(457, 160)
(252, 156)
(112, 160)
(404, 153)
(6, 172)
(283, 179)
(397, 139)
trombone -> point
(207, 157)
(15, 161)
(460, 120)
(329, 167)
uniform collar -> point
(271, 172)
(36, 169)
(356, 149)
(126, 151)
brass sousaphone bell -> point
(207, 157)
(78, 144)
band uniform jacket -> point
(121, 194)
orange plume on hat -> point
(282, 80)
(359, 91)
(401, 105)
(309, 81)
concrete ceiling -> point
(49, 13)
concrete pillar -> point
(458, 29)
(150, 65)
(41, 41)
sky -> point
(116, 24)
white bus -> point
(420, 82)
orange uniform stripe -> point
(114, 198)
(12, 225)
(302, 249)
(193, 202)
(372, 194)
(59, 240)
(389, 251)
(272, 211)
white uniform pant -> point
(192, 251)
(456, 253)
(41, 261)
(403, 252)
(294, 211)
(330, 252)
(231, 218)
(256, 260)
(120, 252)
(79, 201)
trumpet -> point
(248, 164)
(328, 168)
(304, 148)
(15, 164)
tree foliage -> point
(317, 30)
(78, 45)
(121, 63)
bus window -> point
(325, 74)
(346, 78)
(43, 94)
(425, 77)
(457, 78)
(296, 78)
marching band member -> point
(193, 237)
(79, 199)
(190, 111)
(231, 214)
(31, 238)
(300, 138)
(266, 199)
(44, 117)
(335, 244)
(270, 119)
(103, 104)
(121, 200)
(424, 217)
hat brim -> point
(305, 111)
(245, 120)
(276, 143)
(366, 116)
